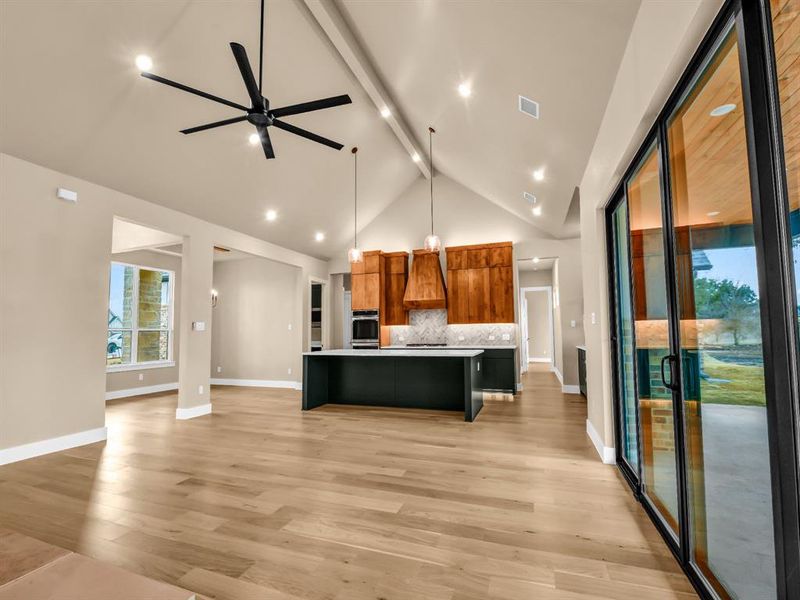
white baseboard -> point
(539, 360)
(267, 383)
(519, 387)
(570, 389)
(56, 444)
(558, 374)
(607, 454)
(195, 411)
(140, 391)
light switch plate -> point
(219, 369)
(506, 337)
(289, 370)
(141, 376)
(200, 389)
(594, 320)
(290, 326)
(572, 323)
(198, 325)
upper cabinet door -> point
(458, 296)
(358, 290)
(477, 258)
(456, 259)
(501, 280)
(479, 296)
(500, 256)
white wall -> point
(540, 331)
(129, 380)
(250, 336)
(663, 39)
(54, 260)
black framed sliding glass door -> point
(704, 231)
(729, 492)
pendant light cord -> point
(355, 197)
(261, 49)
(431, 131)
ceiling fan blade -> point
(305, 107)
(306, 134)
(186, 88)
(266, 143)
(240, 55)
(214, 124)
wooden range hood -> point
(425, 288)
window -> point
(139, 316)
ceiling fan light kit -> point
(259, 114)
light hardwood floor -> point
(262, 501)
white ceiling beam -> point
(333, 24)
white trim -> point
(265, 383)
(570, 389)
(607, 453)
(141, 391)
(519, 387)
(56, 444)
(195, 411)
(539, 360)
(161, 364)
(555, 370)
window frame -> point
(135, 365)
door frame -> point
(548, 289)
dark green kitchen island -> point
(430, 379)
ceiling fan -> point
(259, 114)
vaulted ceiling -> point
(71, 99)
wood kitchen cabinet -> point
(366, 282)
(378, 283)
(395, 279)
(480, 282)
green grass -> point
(744, 386)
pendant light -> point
(432, 241)
(354, 255)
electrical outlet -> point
(141, 376)
(219, 369)
(506, 337)
(594, 320)
(401, 339)
(461, 338)
(289, 370)
(200, 389)
(491, 338)
(572, 323)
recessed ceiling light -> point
(271, 215)
(465, 90)
(713, 213)
(535, 259)
(254, 139)
(538, 174)
(415, 157)
(144, 62)
(537, 211)
(385, 112)
(319, 236)
(723, 109)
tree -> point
(736, 305)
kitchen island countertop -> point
(400, 351)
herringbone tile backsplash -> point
(430, 327)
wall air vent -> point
(529, 107)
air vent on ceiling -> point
(529, 107)
(529, 197)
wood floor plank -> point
(261, 500)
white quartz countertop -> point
(424, 352)
(581, 348)
(451, 347)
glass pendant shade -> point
(433, 243)
(354, 255)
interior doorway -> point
(536, 310)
